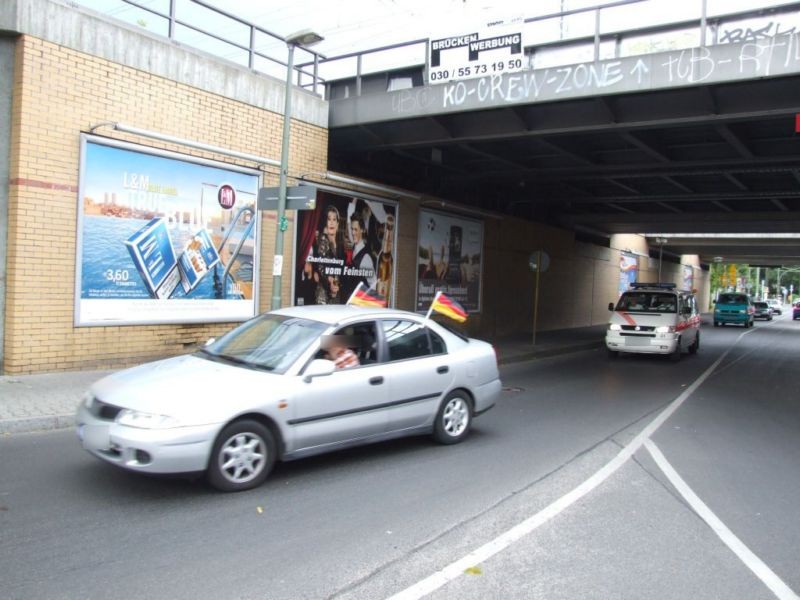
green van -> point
(734, 307)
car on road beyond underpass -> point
(762, 311)
(288, 384)
(776, 306)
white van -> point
(654, 318)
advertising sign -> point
(163, 238)
(488, 50)
(449, 259)
(345, 240)
(628, 268)
(688, 277)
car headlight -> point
(614, 327)
(665, 329)
(144, 420)
(742, 312)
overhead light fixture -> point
(359, 183)
(184, 142)
(304, 38)
(461, 208)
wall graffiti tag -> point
(757, 57)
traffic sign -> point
(298, 197)
(539, 260)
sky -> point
(356, 25)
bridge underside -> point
(721, 158)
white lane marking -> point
(751, 561)
(504, 540)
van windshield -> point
(732, 299)
(647, 302)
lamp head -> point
(303, 38)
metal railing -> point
(174, 21)
(701, 30)
(598, 44)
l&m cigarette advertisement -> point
(163, 237)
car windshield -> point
(732, 299)
(269, 342)
(760, 304)
(647, 302)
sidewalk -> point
(48, 401)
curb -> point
(31, 424)
(549, 352)
(55, 422)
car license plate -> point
(96, 437)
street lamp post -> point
(303, 38)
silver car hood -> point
(192, 389)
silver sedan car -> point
(288, 384)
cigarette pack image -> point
(154, 258)
(198, 257)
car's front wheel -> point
(453, 419)
(695, 345)
(242, 456)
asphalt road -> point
(377, 521)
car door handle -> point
(375, 380)
(442, 369)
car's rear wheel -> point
(453, 419)
(242, 457)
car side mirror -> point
(611, 306)
(319, 367)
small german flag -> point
(448, 307)
(364, 296)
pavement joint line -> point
(767, 576)
(457, 568)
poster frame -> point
(623, 255)
(331, 189)
(170, 319)
(449, 215)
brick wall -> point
(60, 93)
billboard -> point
(688, 277)
(491, 49)
(163, 237)
(449, 259)
(345, 240)
(628, 268)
